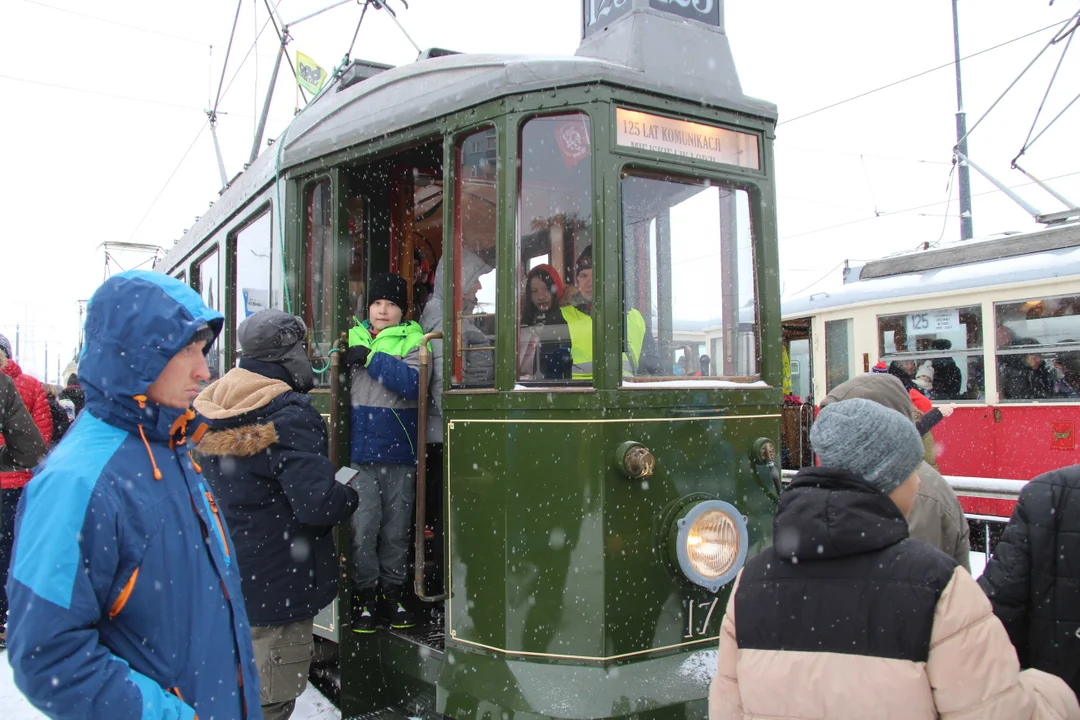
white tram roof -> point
(1042, 255)
(402, 97)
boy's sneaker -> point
(362, 613)
(393, 610)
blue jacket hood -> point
(136, 322)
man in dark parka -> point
(1033, 579)
(266, 458)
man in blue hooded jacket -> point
(125, 598)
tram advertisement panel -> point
(656, 133)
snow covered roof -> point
(410, 95)
(953, 269)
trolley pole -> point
(967, 229)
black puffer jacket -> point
(266, 459)
(1033, 580)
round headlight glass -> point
(711, 543)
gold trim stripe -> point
(585, 657)
(618, 420)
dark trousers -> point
(9, 503)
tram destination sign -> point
(669, 136)
(598, 14)
(706, 11)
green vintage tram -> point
(590, 520)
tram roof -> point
(409, 95)
(1027, 257)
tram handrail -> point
(419, 584)
(963, 485)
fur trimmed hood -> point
(239, 391)
(243, 441)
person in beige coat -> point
(937, 517)
(846, 617)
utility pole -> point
(967, 229)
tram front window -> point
(688, 269)
(555, 247)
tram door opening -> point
(393, 219)
(798, 412)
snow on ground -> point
(13, 706)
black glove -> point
(357, 355)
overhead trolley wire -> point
(1028, 142)
(115, 22)
(917, 207)
(1058, 36)
(99, 92)
(223, 93)
(225, 64)
(916, 76)
(169, 180)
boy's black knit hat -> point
(389, 286)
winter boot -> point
(363, 611)
(393, 610)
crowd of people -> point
(213, 507)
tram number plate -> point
(930, 322)
(699, 614)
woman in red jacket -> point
(12, 483)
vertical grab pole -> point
(421, 469)
(335, 389)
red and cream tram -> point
(991, 326)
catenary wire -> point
(115, 22)
(829, 272)
(169, 180)
(917, 207)
(916, 76)
(115, 96)
(1053, 41)
(225, 64)
(1049, 86)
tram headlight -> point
(710, 543)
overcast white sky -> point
(97, 114)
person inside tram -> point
(680, 366)
(704, 361)
(903, 370)
(947, 378)
(642, 357)
(1067, 367)
(544, 346)
(1025, 377)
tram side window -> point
(689, 282)
(319, 284)
(839, 352)
(1038, 348)
(555, 250)
(475, 233)
(207, 280)
(938, 351)
(253, 273)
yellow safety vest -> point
(581, 336)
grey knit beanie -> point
(5, 346)
(876, 443)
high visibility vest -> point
(581, 335)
